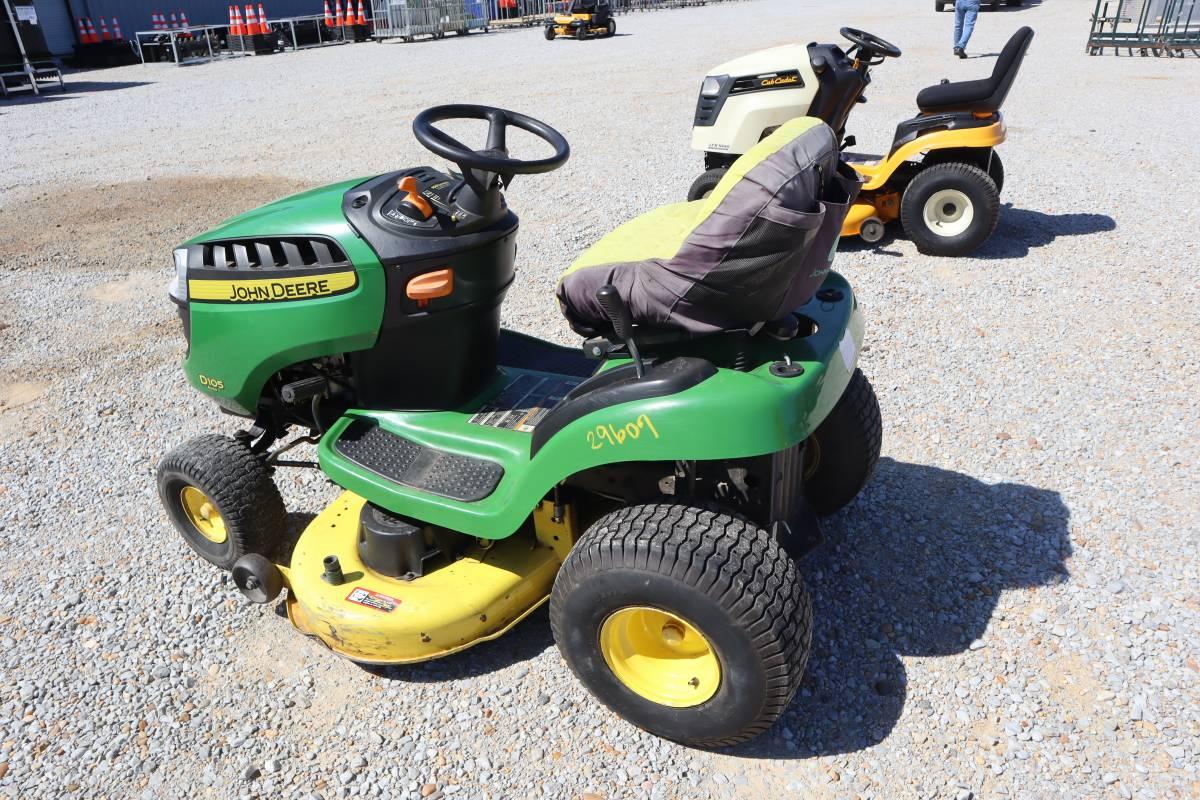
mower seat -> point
(756, 249)
(981, 96)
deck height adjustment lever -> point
(622, 322)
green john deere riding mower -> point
(657, 485)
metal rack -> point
(1150, 27)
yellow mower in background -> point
(584, 19)
(940, 177)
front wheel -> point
(692, 624)
(221, 498)
(611, 29)
(703, 186)
(841, 454)
(939, 6)
(549, 34)
(950, 209)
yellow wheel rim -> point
(660, 656)
(203, 515)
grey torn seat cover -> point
(756, 249)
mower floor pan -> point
(374, 619)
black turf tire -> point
(966, 178)
(703, 186)
(549, 34)
(939, 6)
(238, 483)
(612, 29)
(727, 577)
(844, 449)
(995, 171)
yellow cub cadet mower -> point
(941, 177)
(585, 19)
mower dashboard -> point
(426, 201)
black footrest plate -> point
(405, 462)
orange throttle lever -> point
(412, 197)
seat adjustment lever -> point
(622, 321)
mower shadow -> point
(1018, 231)
(1021, 229)
(913, 568)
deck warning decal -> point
(380, 602)
(524, 402)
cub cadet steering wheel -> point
(870, 42)
(494, 157)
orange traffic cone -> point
(263, 27)
(339, 20)
(174, 21)
(362, 14)
(238, 29)
(154, 20)
(93, 38)
(117, 30)
(104, 34)
(252, 21)
(183, 19)
(328, 15)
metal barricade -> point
(1151, 27)
(406, 20)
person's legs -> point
(960, 7)
(970, 11)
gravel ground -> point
(1009, 610)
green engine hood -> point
(234, 348)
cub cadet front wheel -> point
(950, 209)
(221, 498)
(550, 33)
(703, 186)
(611, 28)
(841, 454)
(692, 624)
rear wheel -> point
(692, 624)
(841, 454)
(939, 6)
(611, 28)
(549, 33)
(703, 186)
(221, 498)
(950, 209)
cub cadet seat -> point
(982, 96)
(756, 249)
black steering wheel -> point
(871, 42)
(494, 157)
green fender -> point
(732, 414)
(241, 350)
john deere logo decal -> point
(272, 290)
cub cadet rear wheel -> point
(692, 624)
(950, 209)
(550, 33)
(939, 6)
(612, 28)
(221, 498)
(703, 186)
(841, 454)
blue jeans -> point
(965, 12)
